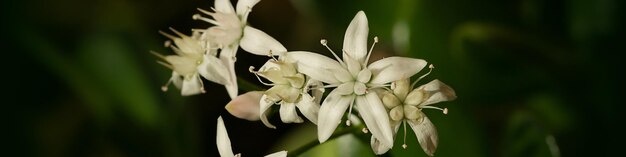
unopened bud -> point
(246, 106)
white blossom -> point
(194, 58)
(406, 105)
(230, 31)
(353, 80)
(290, 89)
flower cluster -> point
(379, 91)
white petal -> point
(264, 106)
(259, 43)
(278, 154)
(438, 92)
(224, 6)
(182, 64)
(191, 85)
(222, 140)
(355, 39)
(243, 6)
(308, 107)
(214, 70)
(426, 134)
(227, 57)
(345, 88)
(317, 66)
(317, 92)
(246, 106)
(378, 147)
(375, 117)
(288, 113)
(333, 108)
(353, 65)
(394, 68)
(177, 79)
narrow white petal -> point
(224, 6)
(355, 39)
(288, 113)
(228, 59)
(378, 147)
(278, 154)
(426, 134)
(177, 79)
(191, 85)
(243, 6)
(394, 68)
(317, 66)
(333, 108)
(353, 65)
(308, 107)
(246, 106)
(264, 106)
(222, 140)
(317, 92)
(375, 117)
(438, 92)
(258, 42)
(214, 70)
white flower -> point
(289, 90)
(230, 30)
(223, 143)
(353, 79)
(194, 58)
(406, 106)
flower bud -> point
(245, 106)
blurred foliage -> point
(534, 77)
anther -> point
(202, 90)
(348, 123)
(364, 130)
(430, 67)
(251, 70)
(164, 88)
(371, 49)
(404, 146)
(196, 16)
(445, 110)
(167, 43)
(324, 42)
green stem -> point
(312, 144)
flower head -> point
(231, 31)
(194, 58)
(406, 105)
(290, 89)
(354, 79)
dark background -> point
(79, 79)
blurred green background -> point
(534, 77)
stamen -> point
(251, 69)
(167, 43)
(365, 130)
(165, 87)
(431, 67)
(272, 55)
(349, 113)
(178, 33)
(325, 43)
(157, 54)
(444, 110)
(202, 18)
(370, 52)
(168, 35)
(166, 65)
(404, 144)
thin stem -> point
(308, 146)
